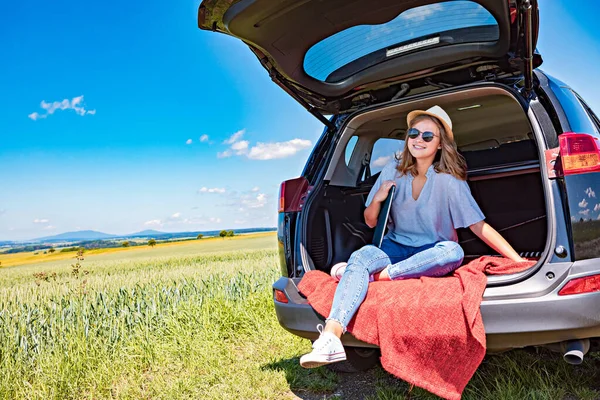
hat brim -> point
(414, 114)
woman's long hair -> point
(447, 160)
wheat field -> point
(196, 321)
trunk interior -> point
(494, 135)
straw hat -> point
(437, 112)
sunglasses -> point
(427, 136)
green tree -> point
(230, 233)
(223, 234)
(200, 236)
(151, 242)
(125, 244)
(52, 250)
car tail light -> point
(292, 194)
(587, 284)
(579, 153)
(280, 296)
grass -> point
(198, 322)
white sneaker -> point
(327, 349)
(338, 270)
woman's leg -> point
(437, 260)
(352, 289)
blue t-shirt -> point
(444, 204)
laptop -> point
(382, 220)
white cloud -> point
(211, 190)
(382, 161)
(253, 202)
(269, 151)
(597, 207)
(590, 192)
(35, 116)
(175, 217)
(215, 220)
(189, 141)
(585, 212)
(41, 221)
(419, 14)
(204, 138)
(583, 203)
(235, 137)
(574, 219)
(240, 147)
(154, 222)
(224, 154)
(49, 228)
(239, 221)
(75, 104)
(255, 189)
(262, 151)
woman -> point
(432, 200)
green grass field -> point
(196, 321)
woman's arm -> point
(493, 239)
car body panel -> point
(581, 203)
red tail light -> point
(579, 153)
(587, 284)
(280, 296)
(292, 194)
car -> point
(531, 143)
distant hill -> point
(180, 235)
(147, 232)
(86, 236)
(79, 235)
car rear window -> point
(354, 49)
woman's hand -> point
(372, 212)
(383, 191)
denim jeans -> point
(436, 259)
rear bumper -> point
(509, 323)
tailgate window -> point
(354, 49)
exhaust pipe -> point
(574, 350)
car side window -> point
(384, 151)
(350, 146)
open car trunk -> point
(493, 133)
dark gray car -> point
(531, 144)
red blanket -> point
(430, 330)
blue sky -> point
(117, 159)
